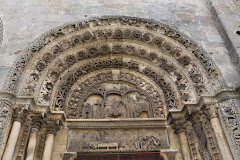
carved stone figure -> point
(146, 142)
(115, 83)
(87, 111)
(114, 110)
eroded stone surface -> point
(120, 83)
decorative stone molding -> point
(112, 75)
(210, 110)
(37, 121)
(21, 146)
(29, 120)
(40, 145)
(206, 137)
(230, 115)
(198, 123)
(182, 51)
(5, 122)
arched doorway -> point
(112, 85)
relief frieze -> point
(117, 140)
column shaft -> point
(12, 141)
(184, 145)
(221, 140)
(32, 144)
(47, 153)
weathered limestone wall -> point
(211, 23)
(25, 20)
(60, 144)
(226, 14)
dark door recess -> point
(120, 156)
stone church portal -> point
(117, 87)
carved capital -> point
(37, 121)
(179, 126)
(20, 113)
(210, 110)
(52, 126)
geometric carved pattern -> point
(190, 58)
(116, 68)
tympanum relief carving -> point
(115, 101)
(114, 94)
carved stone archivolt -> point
(187, 64)
(116, 83)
